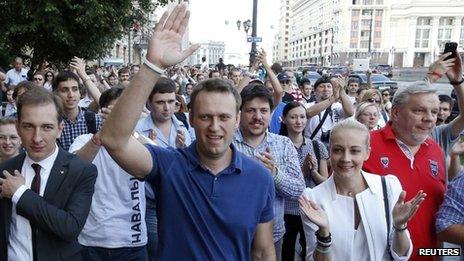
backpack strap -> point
(319, 126)
(387, 213)
(317, 152)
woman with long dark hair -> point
(313, 157)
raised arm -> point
(278, 91)
(79, 65)
(164, 50)
(344, 98)
(455, 78)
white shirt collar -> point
(46, 163)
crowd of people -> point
(162, 161)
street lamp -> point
(239, 23)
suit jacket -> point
(59, 215)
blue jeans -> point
(114, 254)
(152, 228)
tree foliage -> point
(57, 30)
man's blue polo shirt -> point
(206, 217)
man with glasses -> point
(38, 79)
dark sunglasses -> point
(373, 100)
(38, 79)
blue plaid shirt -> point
(291, 205)
(289, 182)
(451, 211)
(74, 129)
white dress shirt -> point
(14, 77)
(20, 239)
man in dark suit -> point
(45, 192)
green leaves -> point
(57, 30)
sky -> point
(209, 18)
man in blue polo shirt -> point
(213, 202)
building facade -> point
(281, 46)
(420, 28)
(212, 50)
(402, 33)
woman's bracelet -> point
(322, 250)
(324, 244)
(327, 239)
(439, 75)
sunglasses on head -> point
(373, 100)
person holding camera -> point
(332, 105)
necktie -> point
(35, 186)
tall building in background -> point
(403, 33)
(280, 50)
(419, 29)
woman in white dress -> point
(344, 217)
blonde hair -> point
(350, 124)
(361, 107)
(369, 94)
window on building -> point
(367, 12)
(424, 26)
(378, 23)
(377, 34)
(365, 22)
(368, 2)
(365, 33)
(379, 2)
(422, 38)
(355, 12)
(364, 44)
(354, 34)
(445, 30)
(354, 25)
(446, 21)
(424, 21)
(353, 45)
(376, 45)
(378, 13)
